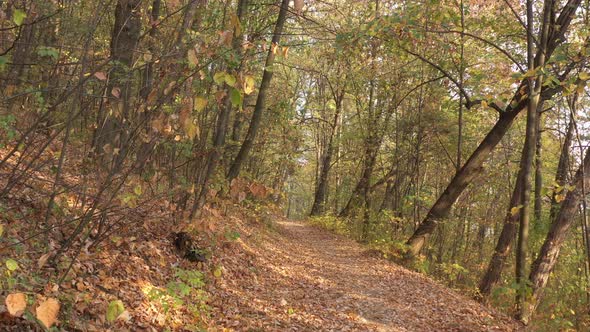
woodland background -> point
(393, 122)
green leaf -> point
(114, 309)
(3, 62)
(219, 77)
(48, 51)
(11, 265)
(18, 17)
(230, 80)
(217, 272)
(236, 98)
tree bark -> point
(112, 129)
(319, 200)
(236, 166)
(494, 271)
(561, 176)
(549, 252)
(222, 122)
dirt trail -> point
(302, 278)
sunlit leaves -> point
(11, 265)
(222, 77)
(18, 16)
(248, 84)
(200, 103)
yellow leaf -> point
(248, 85)
(559, 198)
(1, 230)
(114, 309)
(584, 76)
(47, 312)
(200, 104)
(515, 210)
(16, 304)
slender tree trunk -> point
(539, 175)
(222, 122)
(530, 144)
(319, 201)
(236, 166)
(561, 176)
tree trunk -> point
(539, 174)
(319, 200)
(222, 121)
(549, 252)
(235, 167)
(112, 129)
(561, 176)
(494, 271)
(473, 166)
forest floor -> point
(263, 273)
(308, 279)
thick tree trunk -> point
(236, 166)
(468, 172)
(112, 129)
(473, 166)
(545, 262)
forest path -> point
(308, 279)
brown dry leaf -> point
(16, 304)
(43, 259)
(100, 75)
(298, 6)
(116, 92)
(47, 312)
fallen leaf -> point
(43, 260)
(16, 304)
(47, 312)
